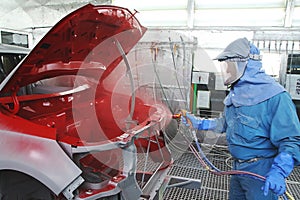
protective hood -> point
(255, 86)
(87, 35)
(237, 50)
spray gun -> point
(181, 113)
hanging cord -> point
(172, 143)
(159, 81)
(291, 64)
(129, 72)
(173, 49)
(207, 165)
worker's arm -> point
(285, 126)
(285, 136)
(214, 124)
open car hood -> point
(87, 35)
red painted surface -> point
(82, 44)
(80, 53)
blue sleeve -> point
(284, 125)
(214, 124)
(217, 125)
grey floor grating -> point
(186, 172)
(195, 194)
(213, 187)
(182, 194)
(150, 166)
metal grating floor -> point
(145, 163)
(188, 167)
(211, 186)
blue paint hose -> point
(202, 154)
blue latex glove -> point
(198, 123)
(281, 168)
(195, 121)
(208, 124)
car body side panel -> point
(38, 157)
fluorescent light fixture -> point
(296, 17)
(240, 4)
(163, 18)
(297, 2)
(152, 4)
(239, 17)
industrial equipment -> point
(290, 76)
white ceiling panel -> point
(220, 15)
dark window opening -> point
(293, 64)
(8, 62)
(16, 39)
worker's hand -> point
(197, 122)
(275, 182)
(193, 120)
(281, 168)
(184, 121)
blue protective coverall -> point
(260, 122)
(260, 131)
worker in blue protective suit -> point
(260, 121)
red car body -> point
(63, 121)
